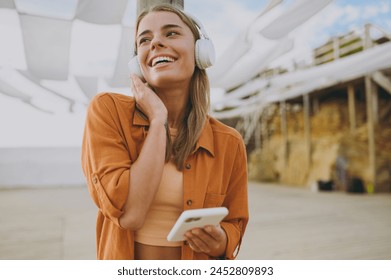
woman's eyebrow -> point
(143, 33)
(169, 26)
(165, 27)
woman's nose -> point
(157, 42)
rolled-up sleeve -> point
(237, 203)
(105, 158)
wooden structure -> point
(359, 91)
(346, 45)
(338, 47)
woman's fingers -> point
(200, 241)
(147, 100)
(210, 240)
(136, 86)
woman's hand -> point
(211, 240)
(148, 101)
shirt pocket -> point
(214, 200)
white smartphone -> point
(196, 218)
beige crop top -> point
(165, 208)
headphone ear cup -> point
(134, 67)
(204, 53)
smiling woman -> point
(148, 158)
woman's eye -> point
(143, 40)
(172, 33)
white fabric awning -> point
(101, 11)
(294, 16)
(255, 62)
(9, 90)
(295, 84)
(270, 42)
(36, 82)
(38, 34)
(8, 4)
(89, 85)
(120, 77)
(242, 44)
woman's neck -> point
(175, 101)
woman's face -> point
(165, 49)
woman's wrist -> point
(159, 122)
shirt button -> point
(188, 166)
(95, 180)
(189, 202)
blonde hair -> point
(197, 108)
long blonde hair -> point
(197, 108)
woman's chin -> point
(164, 80)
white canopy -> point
(120, 77)
(48, 46)
(297, 83)
(39, 33)
(9, 4)
(246, 57)
(89, 85)
(101, 11)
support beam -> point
(371, 131)
(284, 131)
(375, 102)
(307, 126)
(258, 135)
(315, 105)
(382, 80)
(143, 4)
(352, 108)
(368, 43)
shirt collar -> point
(140, 119)
(206, 138)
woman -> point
(148, 158)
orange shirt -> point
(214, 175)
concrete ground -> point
(286, 223)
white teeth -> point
(161, 59)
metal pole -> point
(143, 4)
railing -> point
(348, 44)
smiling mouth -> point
(161, 60)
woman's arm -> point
(146, 171)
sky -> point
(23, 126)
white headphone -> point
(204, 51)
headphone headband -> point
(200, 27)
